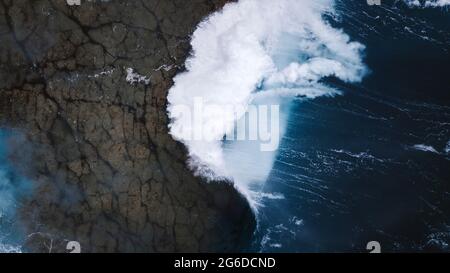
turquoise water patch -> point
(14, 186)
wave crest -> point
(254, 52)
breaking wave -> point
(252, 53)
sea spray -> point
(255, 52)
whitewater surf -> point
(255, 53)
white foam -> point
(428, 3)
(425, 148)
(133, 77)
(256, 52)
(6, 248)
(447, 148)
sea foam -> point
(255, 52)
(428, 3)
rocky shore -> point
(87, 86)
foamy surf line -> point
(254, 54)
(428, 3)
(5, 248)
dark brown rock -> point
(105, 170)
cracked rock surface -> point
(104, 169)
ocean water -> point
(364, 92)
(374, 163)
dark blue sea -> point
(374, 163)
